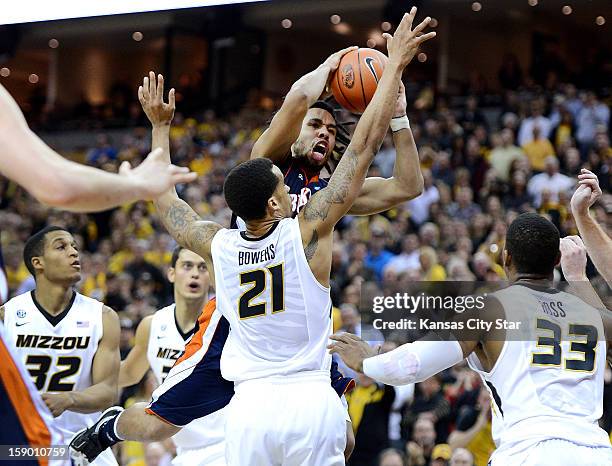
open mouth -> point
(76, 265)
(319, 151)
(194, 287)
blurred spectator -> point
(537, 118)
(594, 114)
(440, 455)
(408, 258)
(461, 457)
(391, 457)
(502, 156)
(419, 207)
(422, 441)
(429, 404)
(378, 257)
(551, 180)
(369, 408)
(538, 149)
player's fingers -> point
(589, 175)
(422, 25)
(180, 178)
(347, 50)
(577, 240)
(589, 183)
(140, 95)
(155, 154)
(160, 87)
(340, 337)
(175, 169)
(152, 84)
(584, 170)
(425, 37)
(145, 88)
(124, 168)
(171, 98)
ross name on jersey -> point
(169, 353)
(52, 342)
(253, 257)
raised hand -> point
(333, 61)
(586, 194)
(151, 97)
(404, 44)
(155, 176)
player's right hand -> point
(586, 194)
(573, 258)
(154, 176)
(151, 97)
(404, 44)
(333, 61)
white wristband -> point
(399, 123)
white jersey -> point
(166, 345)
(548, 381)
(58, 351)
(166, 342)
(279, 314)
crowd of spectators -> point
(481, 169)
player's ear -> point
(506, 258)
(273, 205)
(38, 263)
(558, 259)
(171, 274)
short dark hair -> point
(248, 187)
(175, 255)
(533, 243)
(35, 246)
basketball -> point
(354, 82)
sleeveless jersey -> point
(166, 342)
(279, 314)
(550, 383)
(57, 351)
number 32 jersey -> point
(278, 312)
(58, 351)
(548, 380)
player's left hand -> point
(58, 402)
(352, 349)
(573, 258)
(400, 104)
(151, 97)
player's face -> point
(317, 137)
(190, 276)
(281, 195)
(60, 260)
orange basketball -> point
(354, 82)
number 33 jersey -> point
(58, 351)
(548, 380)
(279, 314)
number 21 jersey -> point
(279, 314)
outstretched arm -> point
(181, 221)
(380, 194)
(53, 180)
(275, 143)
(598, 243)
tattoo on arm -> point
(186, 226)
(311, 247)
(336, 191)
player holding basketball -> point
(161, 340)
(302, 137)
(284, 411)
(68, 342)
(546, 382)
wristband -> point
(399, 123)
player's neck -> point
(308, 168)
(533, 279)
(187, 311)
(261, 227)
(53, 297)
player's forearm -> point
(598, 244)
(130, 374)
(95, 398)
(407, 176)
(459, 439)
(160, 137)
(374, 122)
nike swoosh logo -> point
(22, 323)
(369, 61)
